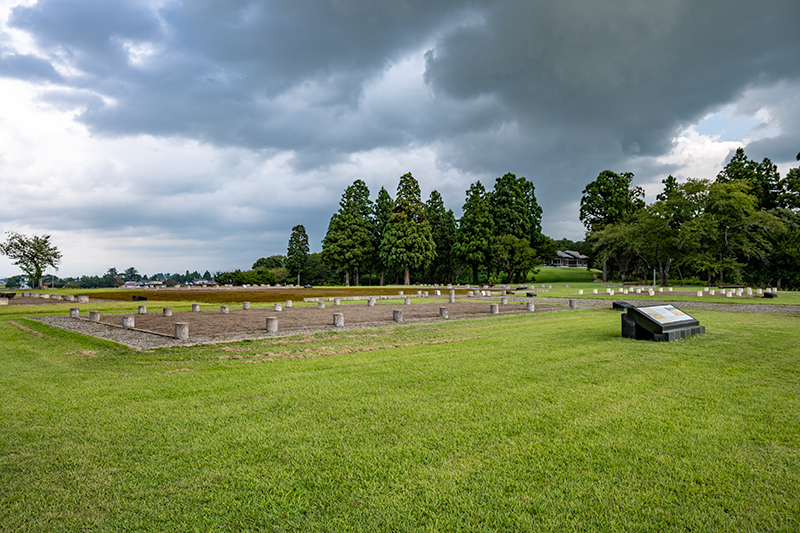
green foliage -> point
(443, 231)
(407, 241)
(514, 209)
(297, 251)
(347, 245)
(762, 179)
(790, 189)
(32, 254)
(476, 231)
(273, 261)
(318, 271)
(609, 199)
(514, 256)
(257, 276)
(382, 213)
(131, 274)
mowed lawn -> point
(548, 422)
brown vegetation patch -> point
(256, 294)
(23, 328)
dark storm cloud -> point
(629, 70)
(554, 91)
(222, 72)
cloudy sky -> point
(170, 135)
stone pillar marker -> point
(69, 297)
(337, 301)
(277, 307)
(288, 304)
(425, 294)
(338, 319)
(494, 309)
(437, 293)
(407, 301)
(55, 296)
(699, 293)
(503, 292)
(452, 297)
(611, 292)
(74, 312)
(167, 311)
(128, 322)
(3, 301)
(182, 330)
(573, 304)
(670, 289)
(94, 316)
(594, 291)
(272, 324)
(44, 296)
(195, 308)
(399, 293)
(83, 299)
(443, 312)
(371, 302)
(530, 307)
(397, 315)
(580, 291)
(224, 309)
(470, 293)
(712, 292)
(245, 305)
(503, 301)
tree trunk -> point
(382, 272)
(358, 277)
(605, 271)
(347, 278)
(298, 279)
(407, 277)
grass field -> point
(547, 422)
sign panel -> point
(665, 314)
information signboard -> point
(659, 323)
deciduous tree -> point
(32, 254)
(609, 199)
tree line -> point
(404, 240)
(743, 226)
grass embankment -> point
(546, 422)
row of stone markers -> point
(65, 297)
(128, 322)
(707, 290)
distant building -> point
(203, 283)
(570, 258)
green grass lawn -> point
(548, 422)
